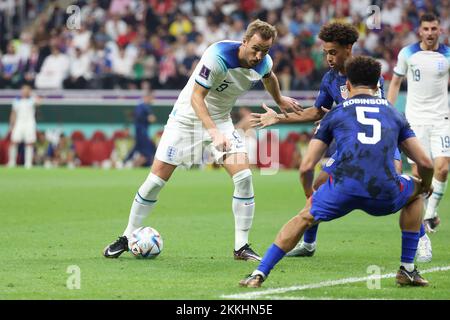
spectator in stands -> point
(115, 27)
(162, 26)
(81, 38)
(79, 71)
(189, 62)
(303, 67)
(54, 70)
(29, 67)
(10, 68)
(144, 149)
(122, 67)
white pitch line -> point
(328, 283)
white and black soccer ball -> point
(145, 242)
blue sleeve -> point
(324, 131)
(405, 131)
(324, 99)
(397, 155)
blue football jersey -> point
(367, 131)
(333, 89)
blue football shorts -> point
(328, 203)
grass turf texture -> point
(52, 219)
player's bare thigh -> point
(162, 169)
(236, 162)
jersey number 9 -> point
(223, 86)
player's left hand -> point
(289, 104)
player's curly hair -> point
(342, 33)
(363, 71)
(264, 29)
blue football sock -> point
(409, 246)
(270, 259)
(310, 234)
(422, 231)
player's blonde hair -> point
(264, 29)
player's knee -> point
(306, 219)
(442, 170)
(243, 185)
(150, 188)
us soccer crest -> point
(344, 92)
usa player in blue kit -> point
(367, 131)
(338, 39)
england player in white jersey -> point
(426, 66)
(226, 70)
(23, 126)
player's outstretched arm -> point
(394, 88)
(12, 119)
(198, 104)
(413, 150)
(270, 118)
(315, 151)
(285, 104)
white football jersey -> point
(219, 71)
(25, 110)
(427, 74)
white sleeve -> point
(15, 104)
(268, 66)
(402, 66)
(210, 70)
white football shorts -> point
(434, 138)
(24, 132)
(185, 145)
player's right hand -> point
(220, 142)
(289, 104)
(262, 120)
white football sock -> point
(29, 151)
(12, 155)
(243, 207)
(408, 266)
(143, 202)
(309, 246)
(433, 201)
(257, 272)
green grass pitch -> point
(53, 219)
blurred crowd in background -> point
(121, 43)
(53, 148)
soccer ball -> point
(145, 242)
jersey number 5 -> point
(374, 123)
